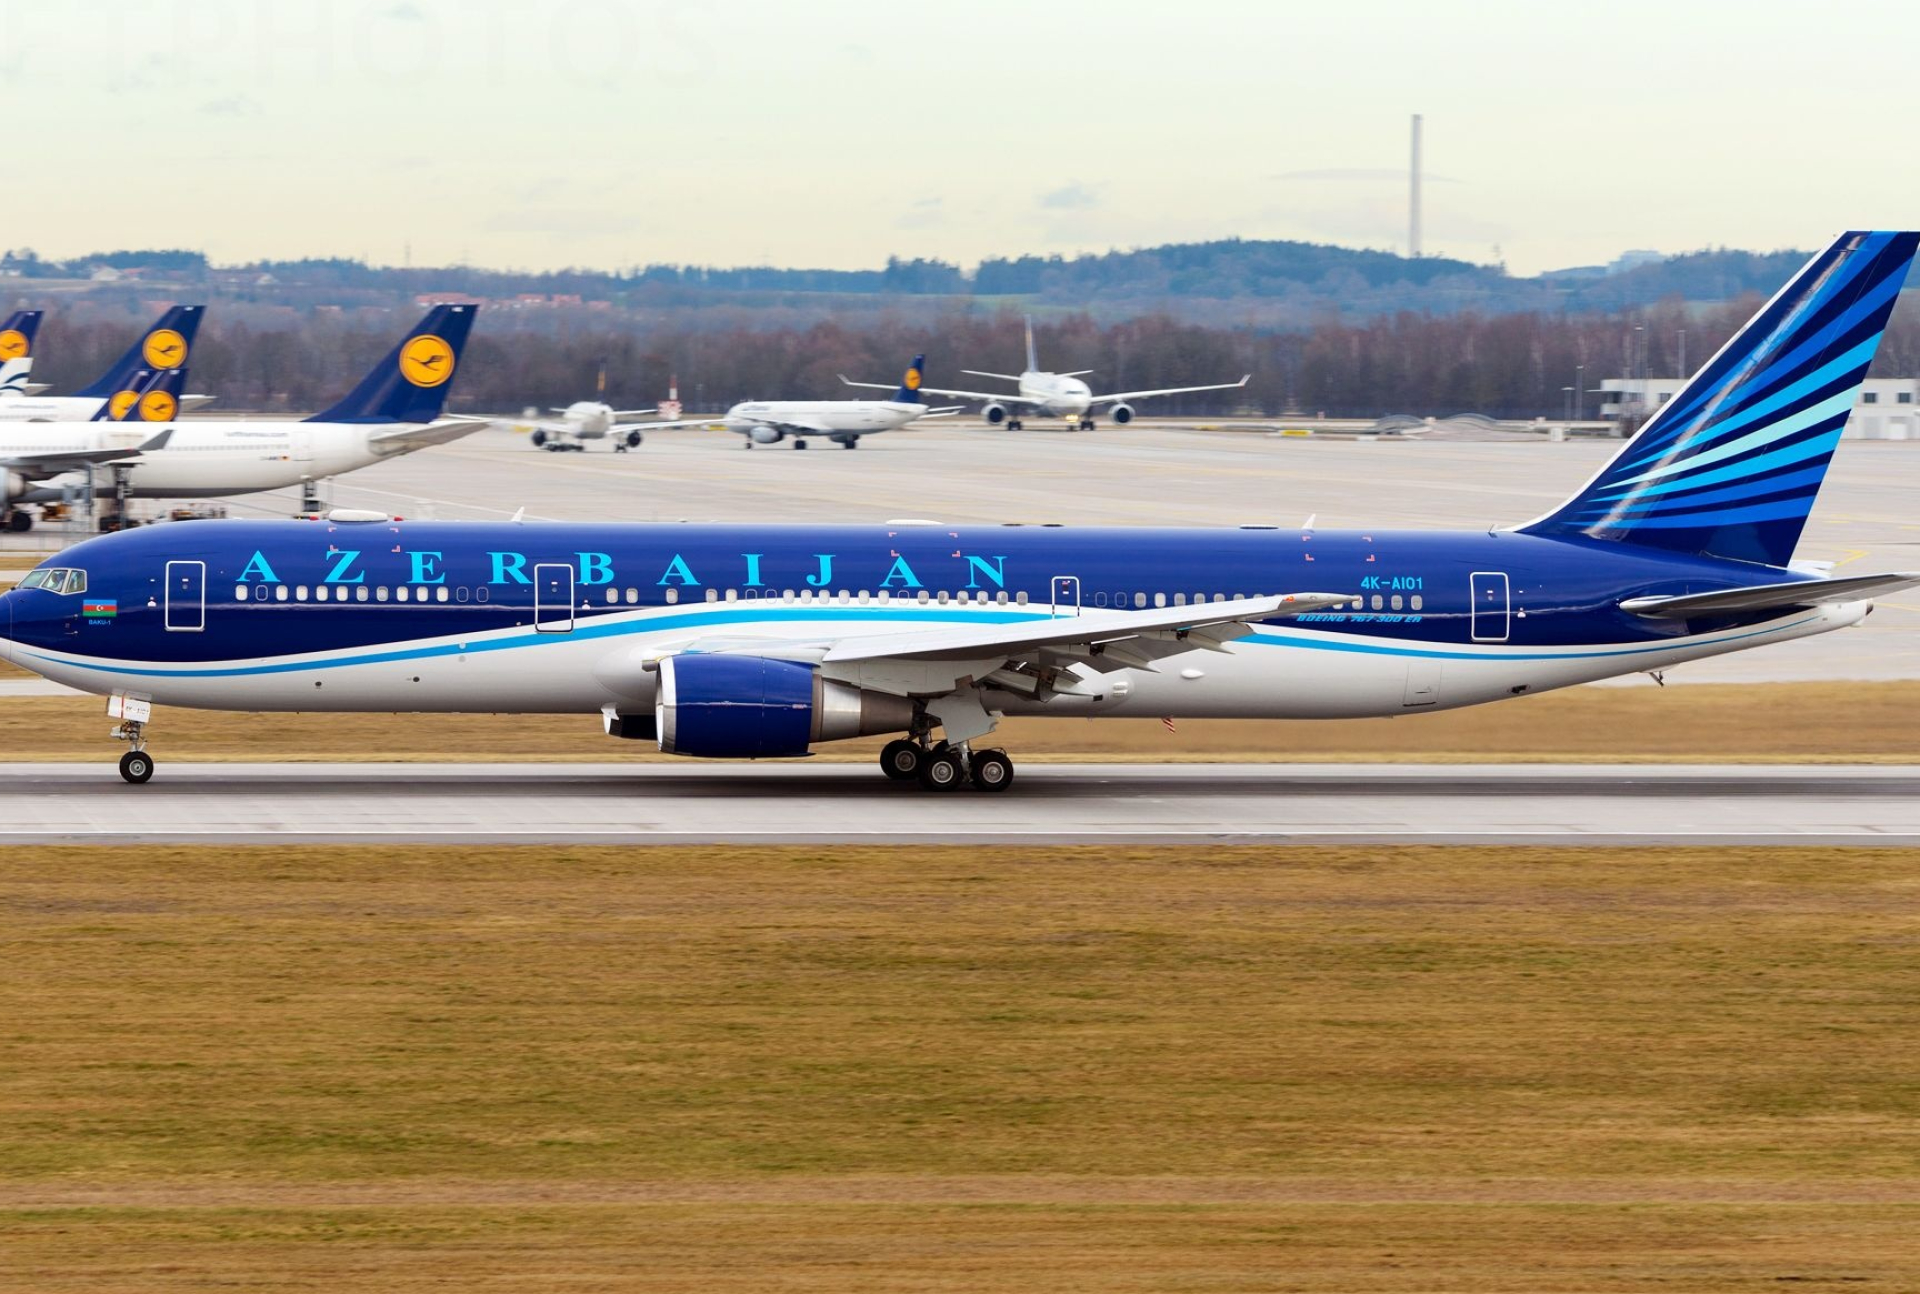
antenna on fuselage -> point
(520, 514)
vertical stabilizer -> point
(150, 395)
(909, 392)
(1033, 356)
(1730, 466)
(168, 344)
(16, 350)
(411, 383)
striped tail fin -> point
(1731, 465)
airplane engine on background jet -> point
(995, 414)
(765, 435)
(721, 706)
(539, 437)
(16, 485)
(1122, 414)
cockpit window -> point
(57, 579)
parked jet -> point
(168, 344)
(760, 641)
(768, 422)
(16, 353)
(1057, 395)
(395, 409)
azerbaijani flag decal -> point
(100, 608)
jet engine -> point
(764, 435)
(723, 706)
(1122, 414)
(995, 414)
(539, 437)
(16, 485)
(633, 439)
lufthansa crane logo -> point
(122, 402)
(165, 348)
(912, 380)
(426, 360)
(13, 344)
(158, 406)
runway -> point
(655, 804)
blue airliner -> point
(755, 641)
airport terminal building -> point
(1887, 408)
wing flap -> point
(1765, 597)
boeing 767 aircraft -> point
(761, 641)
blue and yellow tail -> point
(151, 395)
(16, 349)
(411, 383)
(1730, 466)
(168, 344)
(909, 392)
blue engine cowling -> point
(724, 706)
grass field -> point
(1768, 722)
(943, 1069)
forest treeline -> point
(1509, 366)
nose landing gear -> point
(136, 765)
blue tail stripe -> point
(1834, 406)
(1785, 509)
(1786, 480)
(1847, 369)
(1793, 455)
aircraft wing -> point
(1094, 632)
(41, 463)
(1171, 390)
(1764, 597)
(190, 402)
(999, 397)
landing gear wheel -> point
(941, 770)
(851, 442)
(799, 444)
(992, 770)
(136, 766)
(1086, 424)
(900, 760)
(19, 521)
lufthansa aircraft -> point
(168, 344)
(759, 641)
(768, 422)
(16, 353)
(395, 409)
(1057, 395)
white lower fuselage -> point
(822, 417)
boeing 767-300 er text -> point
(758, 641)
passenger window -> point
(400, 594)
(480, 593)
(733, 595)
(1377, 602)
(943, 597)
(922, 597)
(440, 594)
(633, 596)
(1415, 602)
(279, 593)
(1001, 597)
(300, 593)
(1394, 602)
(1021, 598)
(673, 595)
(713, 595)
(1159, 599)
(462, 593)
(1140, 600)
(359, 593)
(1179, 599)
(1100, 598)
(380, 594)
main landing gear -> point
(945, 767)
(1086, 424)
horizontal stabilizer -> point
(1766, 597)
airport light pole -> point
(1579, 391)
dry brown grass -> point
(1713, 723)
(946, 1069)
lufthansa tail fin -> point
(165, 345)
(411, 383)
(909, 392)
(16, 350)
(1729, 467)
(151, 395)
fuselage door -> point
(553, 598)
(1491, 611)
(186, 597)
(1065, 595)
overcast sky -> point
(611, 133)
